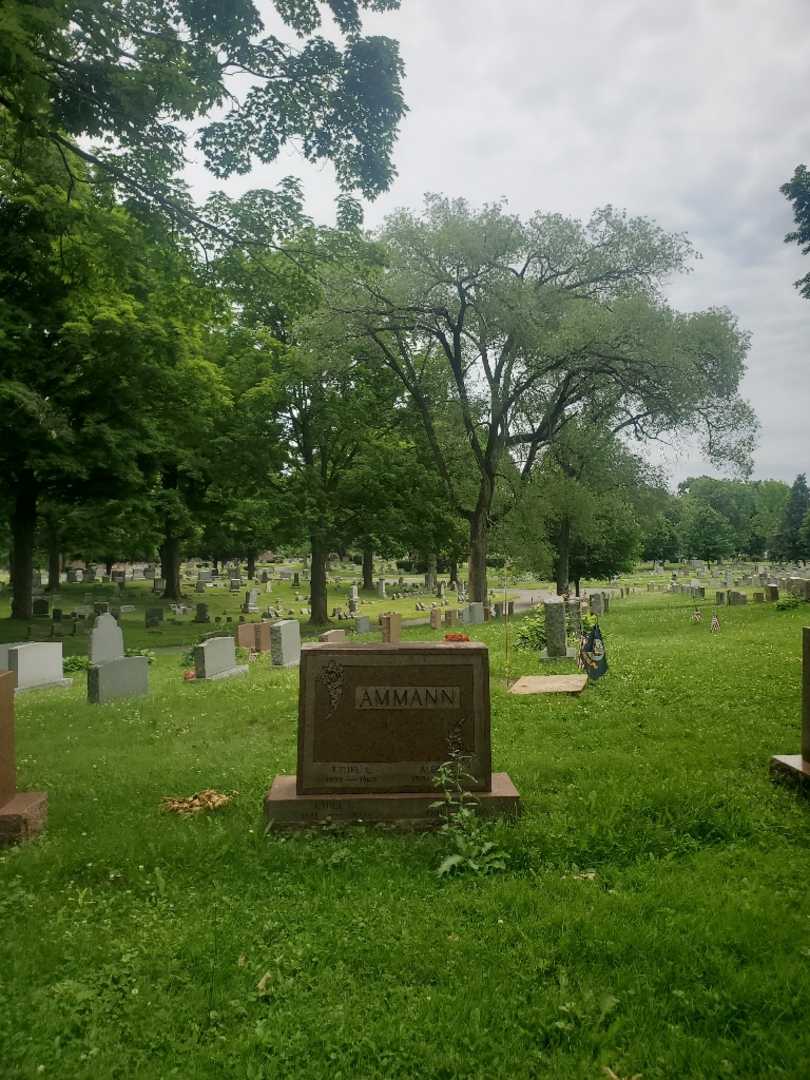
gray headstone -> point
(37, 664)
(556, 640)
(362, 624)
(597, 604)
(106, 640)
(154, 616)
(285, 643)
(475, 614)
(127, 676)
(216, 659)
(381, 588)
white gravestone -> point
(285, 643)
(216, 659)
(37, 665)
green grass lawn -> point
(654, 918)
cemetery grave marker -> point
(22, 813)
(216, 659)
(285, 643)
(374, 725)
(557, 646)
(37, 666)
(796, 767)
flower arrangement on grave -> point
(456, 637)
(189, 675)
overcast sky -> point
(692, 112)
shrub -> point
(76, 663)
(148, 653)
(788, 602)
(531, 633)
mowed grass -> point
(654, 920)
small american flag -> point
(697, 615)
(715, 624)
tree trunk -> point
(251, 565)
(108, 565)
(215, 564)
(454, 570)
(479, 538)
(23, 528)
(432, 571)
(576, 586)
(54, 560)
(317, 584)
(563, 555)
(368, 569)
(170, 566)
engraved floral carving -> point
(332, 678)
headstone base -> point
(285, 809)
(791, 767)
(230, 673)
(61, 683)
(23, 817)
(570, 654)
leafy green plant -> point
(75, 663)
(531, 634)
(148, 653)
(788, 602)
(470, 850)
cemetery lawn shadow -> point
(653, 918)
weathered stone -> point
(556, 636)
(262, 636)
(381, 588)
(550, 684)
(759, 597)
(285, 643)
(246, 635)
(796, 767)
(771, 593)
(332, 637)
(436, 619)
(284, 808)
(451, 617)
(127, 676)
(391, 628)
(23, 814)
(362, 624)
(41, 607)
(154, 617)
(380, 719)
(597, 603)
(475, 614)
(106, 640)
(720, 596)
(201, 614)
(37, 665)
(216, 659)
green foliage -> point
(531, 631)
(751, 509)
(75, 663)
(788, 602)
(790, 540)
(470, 849)
(140, 77)
(797, 192)
(148, 653)
(705, 534)
(647, 921)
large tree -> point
(535, 322)
(788, 543)
(103, 370)
(129, 84)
